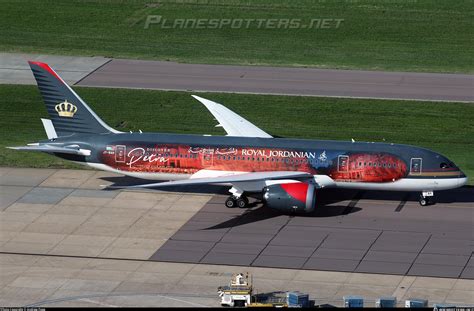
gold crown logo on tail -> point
(65, 109)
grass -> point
(421, 35)
(447, 128)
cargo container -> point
(297, 299)
(353, 301)
(416, 303)
(386, 302)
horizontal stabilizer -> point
(71, 149)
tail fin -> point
(68, 112)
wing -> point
(232, 123)
(245, 177)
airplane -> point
(286, 174)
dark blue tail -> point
(68, 112)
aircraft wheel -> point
(230, 202)
(423, 201)
(426, 200)
(242, 202)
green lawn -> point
(444, 127)
(409, 35)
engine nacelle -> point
(298, 197)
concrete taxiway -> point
(66, 242)
(14, 68)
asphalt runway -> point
(66, 242)
(281, 80)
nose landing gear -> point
(426, 198)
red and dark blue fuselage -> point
(377, 165)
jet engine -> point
(297, 197)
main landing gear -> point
(426, 198)
(240, 202)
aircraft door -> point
(416, 165)
(120, 151)
(207, 157)
(343, 163)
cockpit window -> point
(443, 165)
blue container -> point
(297, 299)
(353, 301)
(444, 307)
(416, 303)
(386, 302)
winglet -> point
(233, 124)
